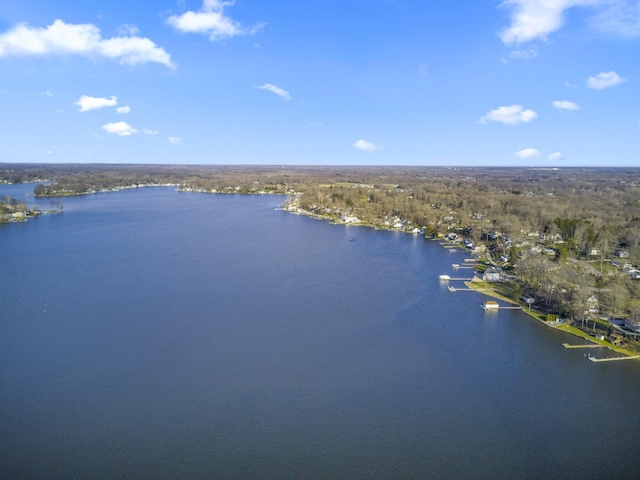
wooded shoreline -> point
(568, 239)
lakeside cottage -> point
(492, 274)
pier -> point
(612, 359)
(493, 309)
(454, 289)
(584, 345)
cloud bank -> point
(62, 38)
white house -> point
(593, 306)
(491, 274)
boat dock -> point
(584, 345)
(494, 308)
(454, 289)
(612, 359)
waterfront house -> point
(349, 219)
(491, 274)
(593, 306)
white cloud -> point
(149, 132)
(555, 156)
(125, 109)
(536, 19)
(62, 38)
(605, 80)
(87, 103)
(128, 30)
(526, 54)
(511, 115)
(528, 153)
(366, 146)
(620, 17)
(47, 93)
(566, 105)
(122, 129)
(174, 140)
(212, 21)
(277, 90)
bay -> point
(154, 334)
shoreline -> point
(483, 288)
(476, 285)
(490, 292)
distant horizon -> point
(373, 166)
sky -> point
(321, 82)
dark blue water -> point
(156, 334)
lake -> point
(154, 334)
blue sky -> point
(323, 82)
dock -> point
(446, 278)
(612, 359)
(493, 309)
(583, 345)
(454, 289)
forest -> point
(568, 238)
